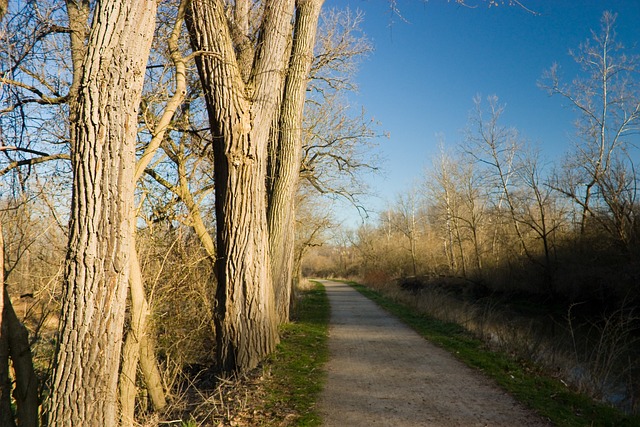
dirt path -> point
(381, 373)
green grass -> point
(547, 396)
(297, 375)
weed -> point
(189, 423)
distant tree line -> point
(494, 211)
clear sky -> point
(420, 81)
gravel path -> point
(382, 373)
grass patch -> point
(296, 375)
(526, 382)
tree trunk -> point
(284, 182)
(240, 114)
(25, 391)
(134, 351)
(6, 413)
(131, 348)
(78, 12)
(14, 345)
(103, 138)
(151, 372)
(137, 347)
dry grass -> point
(232, 402)
(280, 392)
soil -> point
(382, 373)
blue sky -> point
(420, 81)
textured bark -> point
(78, 12)
(241, 113)
(25, 391)
(287, 155)
(103, 136)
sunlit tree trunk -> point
(287, 155)
(103, 136)
(151, 371)
(241, 107)
(78, 12)
(133, 351)
(131, 348)
(138, 347)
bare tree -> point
(338, 143)
(138, 344)
(540, 211)
(600, 173)
(44, 26)
(406, 218)
(35, 85)
(19, 384)
(459, 204)
(103, 134)
(250, 51)
(285, 168)
(32, 102)
(14, 344)
(494, 147)
(243, 83)
(313, 220)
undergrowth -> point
(282, 391)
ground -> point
(382, 373)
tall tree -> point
(494, 147)
(406, 219)
(540, 212)
(454, 191)
(599, 175)
(103, 134)
(242, 80)
(286, 154)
